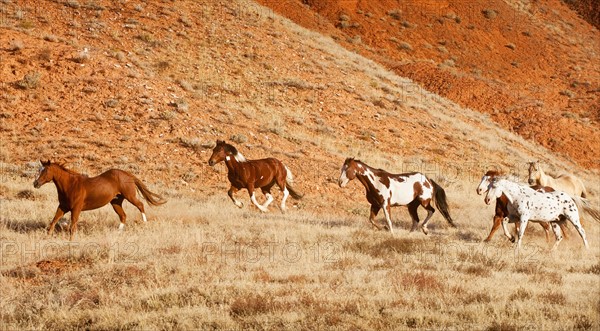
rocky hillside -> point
(530, 65)
(149, 86)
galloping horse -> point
(568, 183)
(251, 174)
(77, 192)
(385, 190)
(501, 209)
(527, 204)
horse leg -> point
(374, 211)
(286, 193)
(520, 233)
(574, 219)
(267, 192)
(74, 219)
(230, 193)
(117, 204)
(132, 198)
(386, 212)
(497, 222)
(427, 205)
(506, 230)
(557, 234)
(250, 189)
(546, 227)
(412, 211)
(59, 213)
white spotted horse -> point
(386, 190)
(501, 210)
(526, 204)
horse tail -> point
(439, 197)
(289, 180)
(584, 204)
(152, 198)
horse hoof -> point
(425, 230)
(512, 240)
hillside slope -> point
(532, 66)
(149, 87)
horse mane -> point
(231, 149)
(494, 173)
(61, 166)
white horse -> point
(526, 204)
(567, 183)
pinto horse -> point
(77, 192)
(566, 182)
(527, 204)
(252, 174)
(501, 210)
(386, 190)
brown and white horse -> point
(252, 174)
(386, 190)
(501, 209)
(77, 192)
(567, 183)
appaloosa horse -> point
(252, 174)
(527, 204)
(385, 190)
(501, 209)
(77, 192)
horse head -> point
(534, 172)
(223, 151)
(486, 181)
(494, 191)
(44, 176)
(349, 170)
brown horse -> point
(77, 192)
(501, 209)
(252, 174)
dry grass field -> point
(148, 87)
(200, 262)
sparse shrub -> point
(168, 115)
(15, 45)
(395, 14)
(185, 85)
(553, 298)
(502, 326)
(520, 294)
(26, 195)
(489, 13)
(51, 38)
(405, 46)
(511, 46)
(251, 304)
(82, 57)
(568, 93)
(30, 81)
(421, 281)
(45, 54)
(73, 4)
(111, 103)
(238, 138)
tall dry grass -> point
(200, 262)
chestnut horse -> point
(501, 209)
(567, 183)
(386, 190)
(77, 192)
(252, 174)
